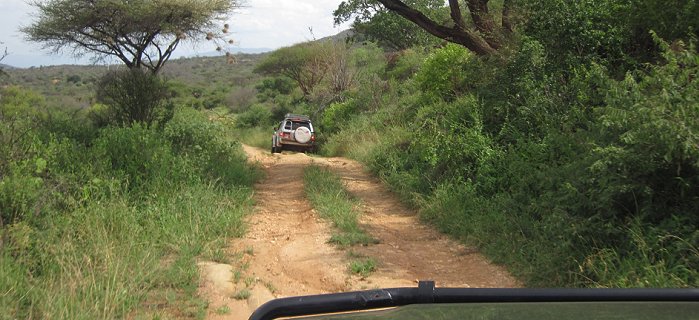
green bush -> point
(136, 155)
(654, 258)
(257, 115)
(444, 74)
(580, 32)
(271, 88)
(19, 193)
(336, 115)
(650, 140)
(405, 65)
(134, 95)
(450, 141)
(203, 142)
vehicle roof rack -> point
(297, 117)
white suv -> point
(295, 132)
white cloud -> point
(273, 24)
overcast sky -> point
(259, 24)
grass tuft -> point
(242, 294)
(223, 310)
(328, 196)
(363, 267)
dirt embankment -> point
(285, 251)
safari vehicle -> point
(428, 302)
(295, 132)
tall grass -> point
(260, 137)
(119, 219)
(329, 197)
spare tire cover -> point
(302, 135)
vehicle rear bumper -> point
(294, 143)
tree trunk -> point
(485, 24)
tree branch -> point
(166, 56)
(463, 37)
(456, 15)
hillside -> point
(72, 86)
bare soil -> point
(285, 251)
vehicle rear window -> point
(297, 124)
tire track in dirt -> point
(285, 250)
(407, 246)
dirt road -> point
(285, 251)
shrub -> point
(651, 124)
(405, 64)
(336, 115)
(204, 143)
(136, 155)
(135, 95)
(257, 115)
(580, 32)
(443, 73)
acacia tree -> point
(305, 63)
(483, 35)
(140, 33)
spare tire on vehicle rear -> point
(302, 135)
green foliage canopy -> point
(142, 33)
(490, 23)
(614, 33)
(377, 23)
(305, 63)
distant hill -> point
(342, 36)
(233, 51)
(251, 50)
(74, 85)
(6, 67)
(29, 60)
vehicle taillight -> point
(313, 137)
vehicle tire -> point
(302, 135)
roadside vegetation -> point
(107, 201)
(99, 222)
(566, 150)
